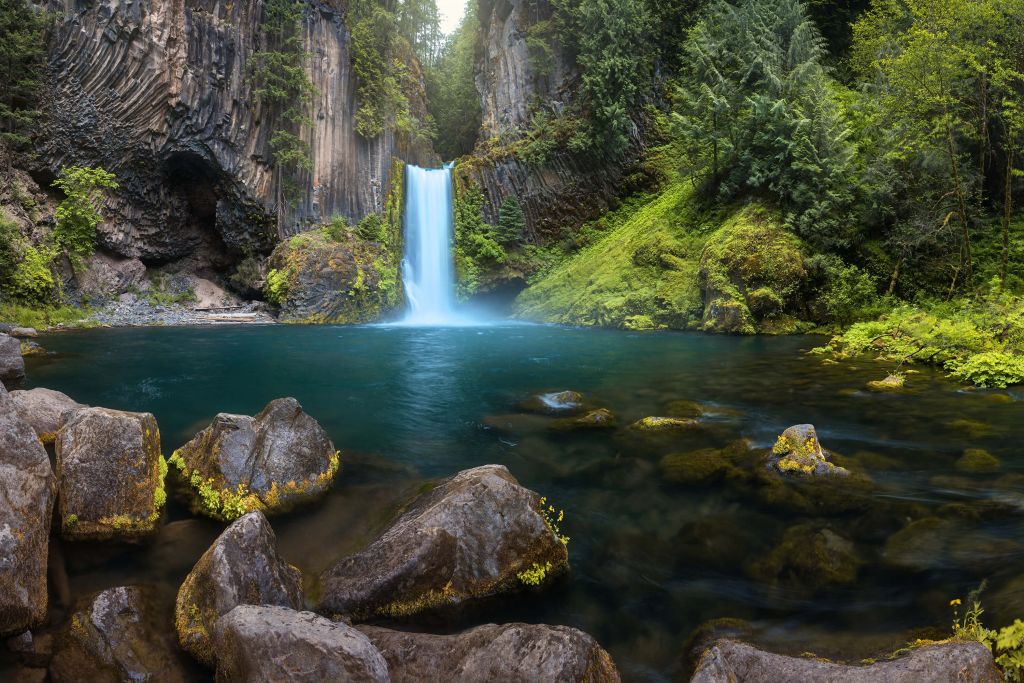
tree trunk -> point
(1007, 213)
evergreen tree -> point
(22, 60)
(451, 90)
(511, 221)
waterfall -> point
(427, 269)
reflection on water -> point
(652, 558)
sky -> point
(451, 14)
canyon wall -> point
(160, 93)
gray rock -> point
(111, 474)
(12, 365)
(513, 653)
(107, 277)
(118, 635)
(269, 462)
(242, 567)
(799, 452)
(471, 537)
(27, 489)
(45, 409)
(23, 332)
(264, 644)
(952, 662)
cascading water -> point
(427, 269)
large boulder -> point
(510, 652)
(321, 277)
(45, 409)
(242, 567)
(270, 644)
(729, 661)
(798, 451)
(269, 462)
(475, 535)
(12, 365)
(107, 276)
(111, 474)
(27, 489)
(118, 635)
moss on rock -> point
(978, 460)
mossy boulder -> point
(321, 276)
(918, 546)
(751, 275)
(687, 410)
(705, 465)
(45, 409)
(728, 661)
(264, 643)
(663, 425)
(978, 460)
(476, 535)
(111, 475)
(555, 403)
(891, 384)
(602, 418)
(119, 634)
(27, 490)
(270, 462)
(507, 652)
(242, 567)
(12, 365)
(798, 452)
(808, 558)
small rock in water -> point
(684, 409)
(241, 567)
(978, 460)
(554, 403)
(509, 652)
(798, 451)
(30, 348)
(810, 557)
(663, 424)
(890, 384)
(602, 418)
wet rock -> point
(118, 635)
(684, 409)
(705, 465)
(920, 545)
(706, 635)
(23, 332)
(27, 490)
(974, 429)
(477, 534)
(270, 462)
(30, 348)
(827, 495)
(12, 365)
(261, 644)
(810, 557)
(891, 383)
(555, 403)
(964, 662)
(663, 425)
(45, 409)
(978, 460)
(242, 567)
(509, 652)
(602, 418)
(111, 474)
(799, 452)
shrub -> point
(33, 281)
(277, 286)
(989, 369)
(78, 214)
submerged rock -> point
(684, 409)
(118, 635)
(270, 462)
(45, 409)
(602, 418)
(477, 534)
(510, 652)
(111, 474)
(12, 365)
(918, 546)
(978, 460)
(705, 465)
(265, 644)
(242, 567)
(734, 662)
(555, 403)
(798, 451)
(27, 490)
(810, 557)
(663, 425)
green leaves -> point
(78, 214)
(22, 60)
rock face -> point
(161, 94)
(45, 409)
(476, 535)
(12, 365)
(27, 489)
(242, 567)
(269, 462)
(111, 474)
(264, 644)
(118, 635)
(328, 281)
(963, 662)
(511, 652)
(798, 451)
(106, 277)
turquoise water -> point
(651, 560)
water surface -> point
(651, 560)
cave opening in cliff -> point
(195, 186)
